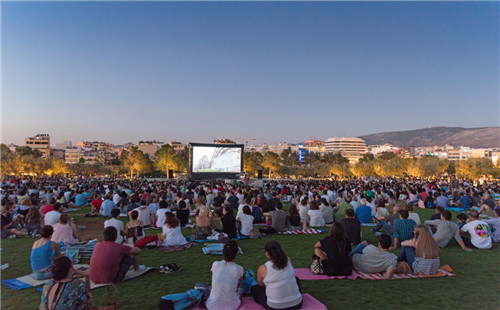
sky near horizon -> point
(274, 71)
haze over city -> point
(120, 71)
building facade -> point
(40, 142)
(351, 148)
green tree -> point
(252, 162)
(166, 158)
(27, 151)
(387, 155)
(135, 160)
(289, 158)
(340, 169)
(474, 168)
(367, 157)
(334, 158)
(363, 168)
(271, 161)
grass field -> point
(475, 285)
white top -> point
(116, 198)
(225, 279)
(355, 204)
(373, 207)
(414, 216)
(303, 211)
(327, 213)
(160, 217)
(144, 215)
(480, 234)
(119, 227)
(282, 290)
(173, 236)
(240, 209)
(316, 218)
(52, 217)
(241, 197)
(246, 223)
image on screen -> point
(216, 159)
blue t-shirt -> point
(465, 201)
(107, 206)
(364, 214)
(80, 200)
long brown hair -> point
(34, 216)
(425, 245)
(171, 220)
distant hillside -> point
(456, 136)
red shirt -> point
(47, 208)
(105, 261)
(97, 204)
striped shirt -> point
(426, 265)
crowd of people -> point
(36, 208)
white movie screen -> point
(216, 159)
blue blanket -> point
(16, 284)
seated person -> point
(463, 202)
(228, 222)
(479, 231)
(160, 213)
(257, 214)
(370, 259)
(145, 214)
(65, 231)
(352, 228)
(412, 215)
(387, 222)
(64, 291)
(333, 252)
(363, 212)
(111, 261)
(107, 205)
(245, 221)
(50, 206)
(421, 253)
(487, 205)
(226, 277)
(403, 229)
(315, 216)
(293, 218)
(52, 217)
(116, 223)
(437, 215)
(134, 229)
(41, 254)
(278, 220)
(183, 213)
(495, 226)
(445, 230)
(277, 288)
(172, 231)
(9, 229)
(217, 209)
(461, 220)
(204, 224)
(24, 207)
(34, 221)
(326, 211)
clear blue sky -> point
(281, 71)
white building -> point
(40, 142)
(350, 147)
(72, 155)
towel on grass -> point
(216, 249)
(173, 248)
(28, 281)
(306, 274)
(310, 231)
(308, 303)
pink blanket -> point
(309, 303)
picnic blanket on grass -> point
(306, 274)
(28, 281)
(309, 231)
(216, 249)
(173, 248)
(308, 303)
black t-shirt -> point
(352, 228)
(490, 203)
(5, 221)
(272, 203)
(183, 216)
(229, 226)
(338, 262)
(436, 216)
(294, 220)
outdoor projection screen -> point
(213, 161)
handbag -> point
(316, 265)
(113, 301)
(248, 281)
(181, 301)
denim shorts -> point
(42, 275)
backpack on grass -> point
(180, 301)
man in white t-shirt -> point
(412, 215)
(145, 214)
(52, 217)
(116, 223)
(479, 231)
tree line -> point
(134, 162)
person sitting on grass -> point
(64, 291)
(487, 205)
(65, 231)
(96, 204)
(326, 211)
(107, 205)
(363, 212)
(437, 214)
(116, 223)
(52, 217)
(34, 221)
(303, 211)
(41, 254)
(421, 253)
(49, 206)
(495, 226)
(461, 220)
(445, 230)
(333, 252)
(277, 288)
(204, 224)
(479, 231)
(228, 222)
(277, 219)
(352, 228)
(9, 229)
(172, 231)
(387, 221)
(111, 261)
(183, 213)
(293, 218)
(403, 229)
(412, 215)
(314, 215)
(245, 222)
(371, 259)
(160, 213)
(134, 228)
(226, 279)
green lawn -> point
(474, 286)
